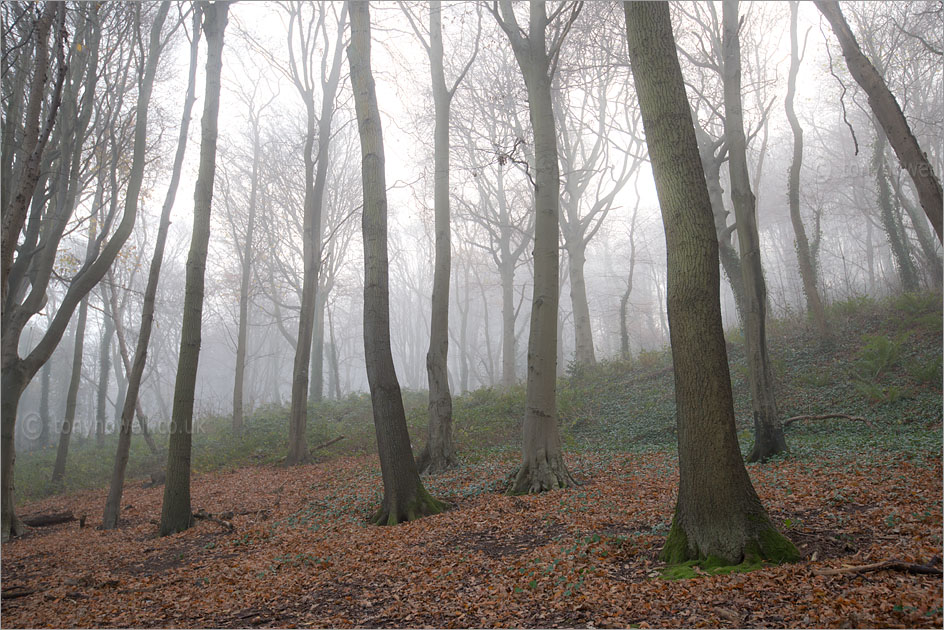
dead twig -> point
(826, 416)
(203, 515)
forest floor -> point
(300, 553)
(853, 491)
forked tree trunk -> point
(814, 305)
(718, 512)
(768, 432)
(405, 498)
(542, 463)
(175, 511)
(136, 371)
(889, 114)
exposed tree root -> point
(889, 565)
(422, 504)
(541, 474)
(426, 464)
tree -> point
(316, 169)
(37, 264)
(768, 432)
(405, 498)
(814, 305)
(718, 512)
(889, 115)
(542, 463)
(439, 453)
(175, 510)
(136, 371)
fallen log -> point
(53, 518)
(328, 443)
(17, 591)
(891, 565)
(203, 515)
(826, 416)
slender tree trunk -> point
(68, 420)
(768, 432)
(930, 249)
(333, 353)
(104, 372)
(814, 305)
(889, 114)
(44, 405)
(717, 512)
(891, 222)
(175, 511)
(242, 335)
(405, 498)
(316, 375)
(314, 198)
(136, 371)
(439, 453)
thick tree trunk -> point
(718, 512)
(891, 220)
(889, 115)
(316, 372)
(768, 432)
(814, 305)
(405, 498)
(439, 453)
(13, 381)
(175, 511)
(583, 332)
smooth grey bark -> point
(175, 510)
(814, 305)
(316, 171)
(717, 513)
(44, 416)
(768, 431)
(439, 452)
(72, 394)
(405, 498)
(625, 353)
(889, 115)
(542, 464)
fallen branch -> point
(18, 591)
(203, 515)
(891, 565)
(328, 443)
(826, 416)
(45, 520)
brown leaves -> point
(301, 554)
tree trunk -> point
(405, 498)
(439, 453)
(768, 433)
(13, 381)
(583, 332)
(929, 248)
(814, 305)
(104, 372)
(68, 420)
(718, 512)
(542, 463)
(175, 511)
(891, 222)
(889, 114)
(314, 198)
(316, 372)
(44, 417)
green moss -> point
(675, 551)
(423, 504)
(772, 546)
(711, 565)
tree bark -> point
(316, 174)
(814, 305)
(718, 512)
(889, 114)
(104, 373)
(542, 463)
(175, 510)
(405, 498)
(68, 420)
(891, 220)
(768, 433)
